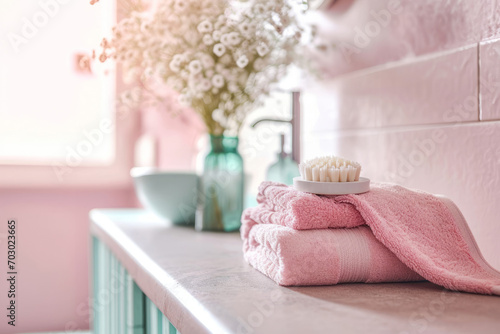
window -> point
(55, 111)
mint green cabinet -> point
(156, 322)
(119, 306)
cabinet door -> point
(118, 303)
(156, 321)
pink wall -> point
(53, 254)
(418, 104)
(177, 133)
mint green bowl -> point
(170, 195)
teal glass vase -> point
(222, 186)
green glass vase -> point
(221, 190)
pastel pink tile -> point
(439, 89)
(459, 161)
(414, 28)
(489, 82)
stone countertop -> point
(201, 282)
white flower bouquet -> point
(220, 56)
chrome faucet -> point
(294, 121)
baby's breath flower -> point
(177, 59)
(180, 6)
(184, 74)
(262, 49)
(218, 81)
(259, 9)
(244, 28)
(221, 18)
(234, 38)
(205, 27)
(216, 35)
(208, 40)
(242, 61)
(174, 66)
(220, 58)
(205, 85)
(195, 67)
(225, 39)
(207, 61)
(219, 49)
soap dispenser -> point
(285, 169)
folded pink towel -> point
(322, 257)
(427, 233)
(286, 206)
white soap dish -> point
(332, 188)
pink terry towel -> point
(425, 232)
(321, 257)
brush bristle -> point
(330, 169)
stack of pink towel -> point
(389, 234)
